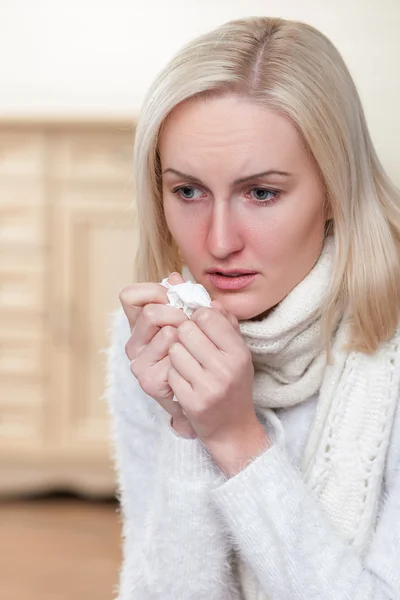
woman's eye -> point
(188, 192)
(261, 194)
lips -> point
(230, 273)
(231, 280)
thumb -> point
(175, 279)
(216, 304)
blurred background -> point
(72, 79)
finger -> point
(134, 297)
(217, 328)
(161, 370)
(154, 317)
(175, 279)
(181, 388)
(153, 379)
(186, 365)
(198, 344)
(164, 396)
(156, 350)
(231, 318)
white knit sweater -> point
(183, 522)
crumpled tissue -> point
(188, 296)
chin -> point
(242, 309)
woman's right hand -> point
(153, 330)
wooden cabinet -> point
(66, 248)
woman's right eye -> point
(188, 192)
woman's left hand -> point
(212, 379)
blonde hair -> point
(294, 69)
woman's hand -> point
(154, 328)
(212, 378)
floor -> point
(59, 548)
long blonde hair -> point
(294, 69)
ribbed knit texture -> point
(287, 346)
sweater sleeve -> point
(282, 534)
(174, 545)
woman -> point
(275, 474)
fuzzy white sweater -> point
(184, 523)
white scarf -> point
(345, 454)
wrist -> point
(233, 455)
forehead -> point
(229, 127)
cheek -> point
(284, 234)
(187, 227)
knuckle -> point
(135, 370)
(149, 313)
(147, 383)
(169, 333)
(127, 294)
(244, 358)
(240, 363)
(204, 315)
(130, 349)
(186, 327)
(173, 349)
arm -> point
(290, 544)
(174, 545)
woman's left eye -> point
(265, 195)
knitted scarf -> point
(345, 454)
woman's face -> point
(241, 194)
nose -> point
(224, 236)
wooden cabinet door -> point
(66, 249)
(93, 259)
(23, 385)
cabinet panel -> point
(20, 425)
(21, 227)
(20, 357)
(21, 152)
(96, 246)
(22, 293)
(93, 156)
(21, 192)
(22, 396)
(117, 195)
(21, 289)
(16, 425)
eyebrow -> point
(237, 181)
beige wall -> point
(97, 57)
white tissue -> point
(188, 296)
